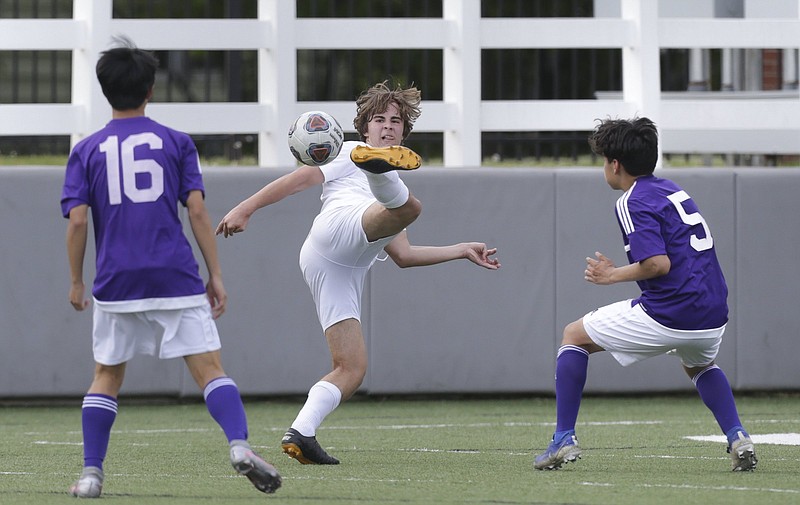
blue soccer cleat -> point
(564, 450)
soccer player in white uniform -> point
(683, 306)
(133, 173)
(366, 208)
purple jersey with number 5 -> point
(657, 217)
(132, 174)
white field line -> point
(417, 426)
(758, 438)
(523, 424)
(709, 458)
(699, 488)
(357, 428)
(450, 451)
(483, 425)
(129, 432)
(49, 442)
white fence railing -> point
(710, 123)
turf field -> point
(637, 450)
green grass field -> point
(414, 451)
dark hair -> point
(376, 100)
(126, 74)
(632, 142)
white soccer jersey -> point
(345, 184)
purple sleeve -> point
(76, 183)
(191, 173)
(645, 238)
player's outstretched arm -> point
(406, 255)
(303, 178)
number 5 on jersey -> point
(698, 244)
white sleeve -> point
(341, 166)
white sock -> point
(388, 189)
(323, 398)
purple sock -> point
(715, 391)
(97, 416)
(571, 365)
(225, 405)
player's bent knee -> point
(409, 212)
(575, 334)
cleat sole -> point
(261, 474)
(294, 452)
(306, 450)
(376, 159)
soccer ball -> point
(315, 138)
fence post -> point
(277, 81)
(94, 111)
(462, 83)
(641, 62)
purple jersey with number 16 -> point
(657, 217)
(132, 174)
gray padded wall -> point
(767, 241)
(445, 328)
(46, 344)
(458, 327)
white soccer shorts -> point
(335, 259)
(630, 335)
(118, 336)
